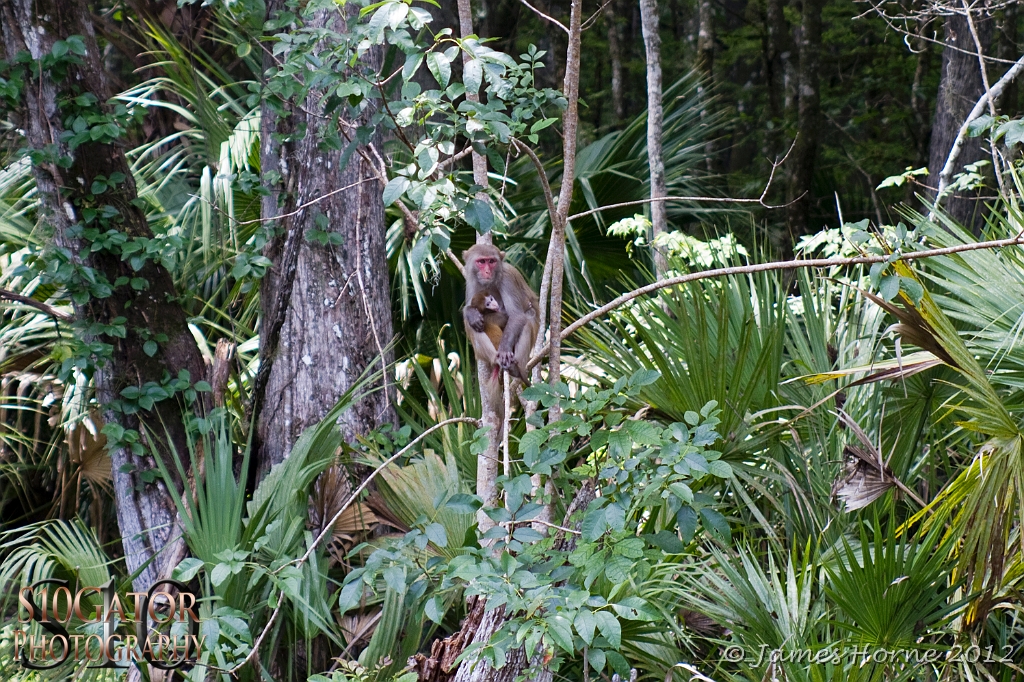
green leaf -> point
(464, 503)
(597, 660)
(979, 125)
(187, 569)
(720, 469)
(440, 68)
(686, 517)
(618, 663)
(150, 348)
(478, 215)
(618, 570)
(889, 288)
(560, 630)
(435, 533)
(615, 517)
(434, 609)
(395, 189)
(635, 608)
(220, 573)
(585, 623)
(473, 75)
(541, 125)
(716, 523)
(667, 542)
(394, 576)
(593, 525)
(609, 627)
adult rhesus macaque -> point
(487, 274)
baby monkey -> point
(495, 319)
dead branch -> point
(38, 305)
(991, 95)
(774, 266)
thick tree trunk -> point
(808, 119)
(655, 124)
(960, 88)
(326, 307)
(146, 513)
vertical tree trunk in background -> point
(326, 308)
(918, 101)
(146, 514)
(615, 56)
(808, 120)
(776, 45)
(1006, 49)
(706, 64)
(959, 89)
(655, 124)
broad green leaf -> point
(440, 68)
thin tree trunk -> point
(146, 513)
(706, 64)
(615, 55)
(655, 124)
(326, 308)
(808, 119)
(487, 461)
(918, 101)
(776, 45)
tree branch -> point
(773, 266)
(38, 305)
(993, 94)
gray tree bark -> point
(959, 89)
(146, 514)
(655, 126)
(706, 64)
(805, 148)
(326, 314)
(615, 56)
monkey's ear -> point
(465, 255)
(501, 254)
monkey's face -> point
(491, 303)
(486, 268)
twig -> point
(554, 21)
(549, 197)
(544, 523)
(362, 486)
(296, 211)
(38, 305)
(366, 301)
(773, 266)
(593, 17)
(721, 200)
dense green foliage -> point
(746, 477)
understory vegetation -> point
(748, 472)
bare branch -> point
(773, 266)
(549, 197)
(38, 305)
(992, 94)
(554, 21)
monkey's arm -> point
(474, 318)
